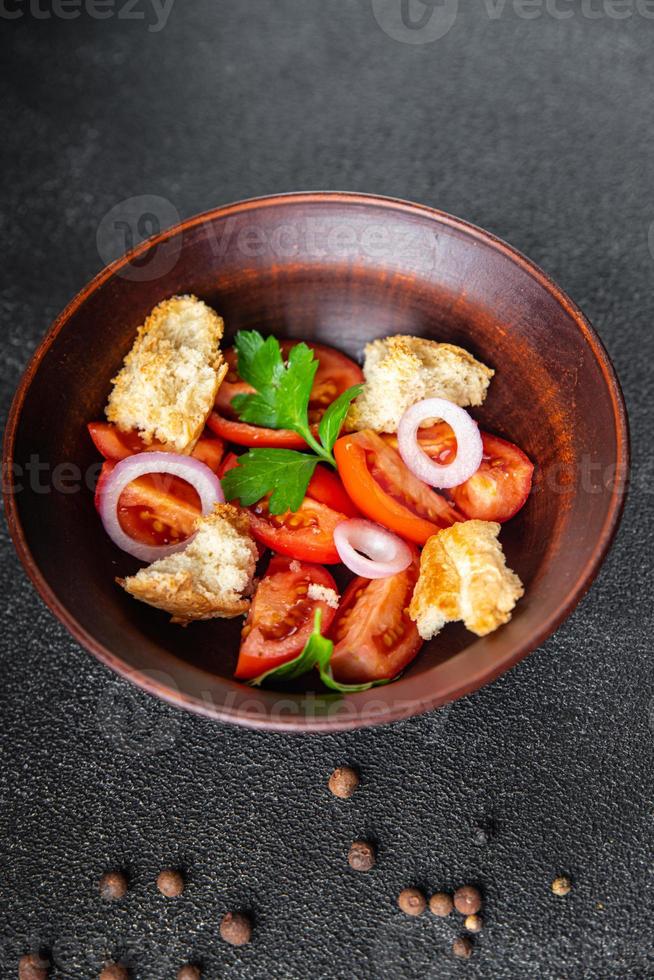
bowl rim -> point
(401, 709)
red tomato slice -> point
(501, 485)
(281, 616)
(374, 639)
(326, 487)
(307, 533)
(243, 434)
(386, 491)
(114, 444)
(335, 374)
(155, 510)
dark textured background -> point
(539, 130)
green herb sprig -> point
(281, 401)
(317, 652)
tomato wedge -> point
(335, 373)
(155, 510)
(281, 616)
(374, 639)
(386, 491)
(501, 485)
(307, 533)
(328, 488)
(112, 443)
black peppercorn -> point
(467, 900)
(113, 886)
(441, 904)
(170, 884)
(236, 928)
(361, 856)
(114, 971)
(33, 966)
(462, 948)
(412, 901)
(343, 782)
(189, 972)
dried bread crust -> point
(187, 584)
(464, 576)
(403, 370)
(169, 379)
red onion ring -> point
(388, 554)
(469, 449)
(198, 474)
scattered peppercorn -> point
(189, 972)
(441, 904)
(344, 782)
(361, 856)
(113, 885)
(462, 948)
(473, 923)
(467, 900)
(412, 901)
(114, 971)
(561, 886)
(170, 884)
(236, 928)
(33, 966)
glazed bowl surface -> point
(340, 269)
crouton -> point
(212, 577)
(463, 576)
(401, 370)
(322, 593)
(169, 380)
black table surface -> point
(531, 123)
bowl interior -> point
(341, 270)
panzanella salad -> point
(244, 480)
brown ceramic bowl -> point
(341, 269)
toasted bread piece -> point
(212, 577)
(463, 576)
(402, 370)
(169, 380)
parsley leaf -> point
(317, 652)
(285, 472)
(332, 420)
(281, 401)
(282, 390)
(259, 361)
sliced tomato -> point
(112, 443)
(157, 509)
(374, 639)
(386, 491)
(501, 485)
(253, 435)
(281, 616)
(328, 488)
(307, 533)
(335, 374)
